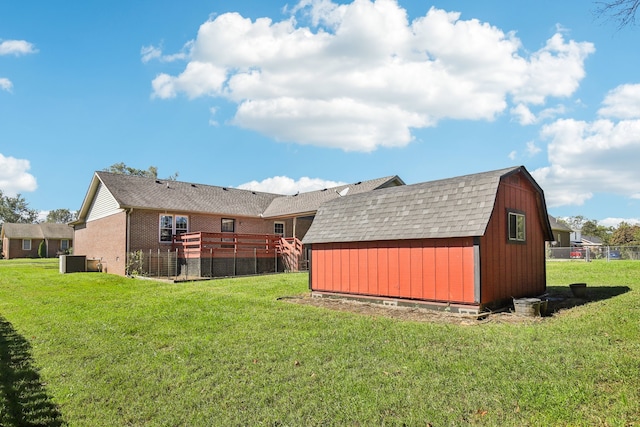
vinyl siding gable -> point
(103, 204)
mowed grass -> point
(91, 349)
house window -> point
(228, 225)
(26, 244)
(278, 228)
(517, 227)
(171, 225)
(64, 244)
(182, 224)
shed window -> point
(228, 225)
(26, 244)
(171, 225)
(517, 227)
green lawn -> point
(92, 349)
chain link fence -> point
(594, 252)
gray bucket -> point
(527, 306)
(579, 290)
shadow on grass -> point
(23, 398)
(561, 297)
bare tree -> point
(621, 11)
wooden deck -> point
(201, 245)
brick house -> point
(122, 214)
(23, 240)
(464, 243)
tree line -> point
(625, 234)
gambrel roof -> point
(454, 207)
(120, 191)
(44, 230)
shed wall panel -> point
(513, 269)
(434, 270)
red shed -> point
(465, 242)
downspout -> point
(128, 242)
(295, 221)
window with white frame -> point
(64, 244)
(517, 227)
(278, 228)
(171, 225)
(26, 244)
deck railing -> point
(226, 245)
(201, 244)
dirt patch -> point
(555, 305)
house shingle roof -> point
(455, 207)
(146, 193)
(558, 226)
(311, 201)
(37, 231)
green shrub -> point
(42, 250)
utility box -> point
(73, 263)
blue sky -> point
(288, 97)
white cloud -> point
(363, 76)
(622, 102)
(14, 178)
(198, 79)
(592, 157)
(286, 185)
(555, 70)
(532, 148)
(513, 155)
(5, 84)
(16, 47)
(150, 53)
(525, 116)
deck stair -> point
(290, 249)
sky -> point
(286, 97)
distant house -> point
(23, 240)
(561, 233)
(215, 230)
(590, 240)
(465, 242)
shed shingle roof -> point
(455, 207)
